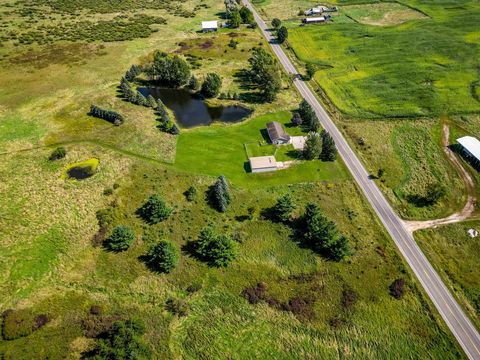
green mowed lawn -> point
(219, 150)
(420, 68)
(455, 255)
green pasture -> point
(424, 67)
(455, 254)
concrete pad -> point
(298, 142)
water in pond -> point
(191, 110)
(80, 172)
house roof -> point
(262, 162)
(209, 24)
(313, 19)
(276, 132)
(471, 144)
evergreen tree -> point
(212, 85)
(220, 194)
(282, 210)
(313, 146)
(142, 100)
(152, 102)
(133, 72)
(282, 34)
(311, 69)
(329, 149)
(121, 238)
(308, 116)
(161, 108)
(155, 210)
(339, 249)
(217, 250)
(174, 130)
(163, 256)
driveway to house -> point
(460, 325)
(298, 142)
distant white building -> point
(314, 20)
(209, 26)
(261, 164)
(314, 11)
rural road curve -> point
(460, 325)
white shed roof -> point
(262, 162)
(315, 19)
(471, 144)
(209, 24)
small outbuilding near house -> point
(261, 164)
(276, 133)
(471, 149)
(209, 26)
(314, 20)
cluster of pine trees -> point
(135, 96)
(109, 115)
(308, 117)
(320, 145)
(166, 125)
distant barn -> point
(314, 20)
(276, 133)
(209, 26)
(471, 149)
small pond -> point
(82, 170)
(191, 110)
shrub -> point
(296, 119)
(397, 288)
(193, 83)
(163, 256)
(155, 210)
(217, 250)
(58, 153)
(212, 85)
(191, 193)
(121, 238)
(105, 217)
(276, 23)
(177, 306)
(121, 341)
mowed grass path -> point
(219, 149)
(420, 68)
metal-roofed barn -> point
(276, 133)
(471, 149)
(263, 164)
(209, 26)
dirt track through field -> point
(468, 209)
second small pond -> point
(191, 110)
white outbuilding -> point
(209, 25)
(471, 148)
(261, 164)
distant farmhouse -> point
(320, 10)
(276, 133)
(261, 164)
(209, 26)
(471, 149)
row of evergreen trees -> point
(109, 115)
(165, 124)
(320, 145)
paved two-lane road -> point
(455, 318)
